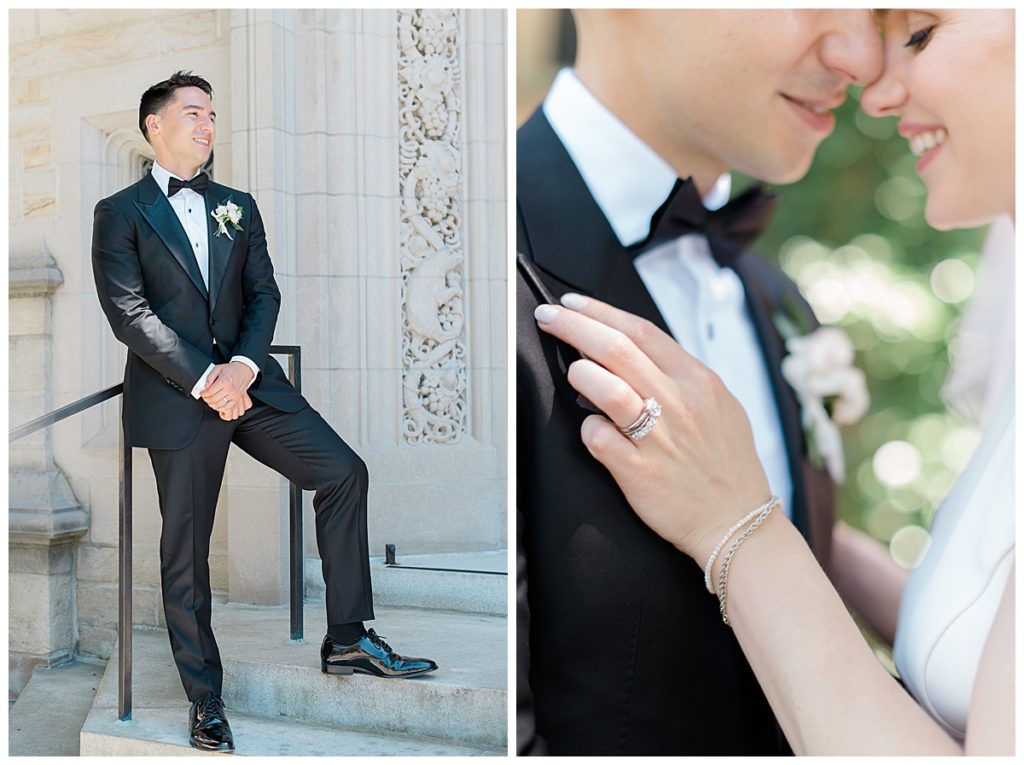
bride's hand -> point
(697, 472)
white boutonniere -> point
(830, 389)
(227, 214)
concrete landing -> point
(474, 582)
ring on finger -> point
(641, 427)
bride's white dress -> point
(951, 599)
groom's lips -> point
(815, 112)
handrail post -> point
(296, 567)
(124, 582)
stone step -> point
(163, 732)
(471, 582)
(266, 675)
(49, 713)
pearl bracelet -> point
(723, 576)
(728, 535)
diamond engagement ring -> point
(644, 424)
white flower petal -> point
(854, 399)
(830, 447)
(795, 372)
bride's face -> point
(949, 77)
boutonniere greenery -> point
(831, 391)
(227, 214)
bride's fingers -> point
(607, 445)
(608, 347)
(606, 391)
(659, 347)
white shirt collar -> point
(627, 179)
(163, 176)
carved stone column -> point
(430, 175)
(45, 520)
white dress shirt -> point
(190, 208)
(702, 303)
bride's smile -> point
(949, 77)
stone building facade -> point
(374, 143)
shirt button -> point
(190, 210)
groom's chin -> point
(781, 173)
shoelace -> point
(209, 707)
(378, 640)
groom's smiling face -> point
(710, 90)
(183, 133)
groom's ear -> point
(152, 123)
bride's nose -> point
(885, 96)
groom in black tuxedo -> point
(184, 277)
(620, 196)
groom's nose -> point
(853, 48)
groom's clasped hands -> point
(697, 471)
(225, 390)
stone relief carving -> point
(432, 258)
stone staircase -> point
(279, 703)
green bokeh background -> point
(852, 235)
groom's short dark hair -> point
(156, 97)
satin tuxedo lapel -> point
(578, 246)
(789, 411)
(157, 211)
(813, 489)
(220, 246)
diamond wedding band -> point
(644, 424)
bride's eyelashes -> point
(919, 40)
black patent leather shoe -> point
(370, 655)
(208, 725)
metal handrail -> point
(64, 412)
(124, 506)
(391, 561)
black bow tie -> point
(729, 229)
(197, 184)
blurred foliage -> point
(852, 235)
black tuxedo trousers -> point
(303, 448)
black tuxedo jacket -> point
(621, 650)
(152, 292)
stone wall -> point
(310, 107)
